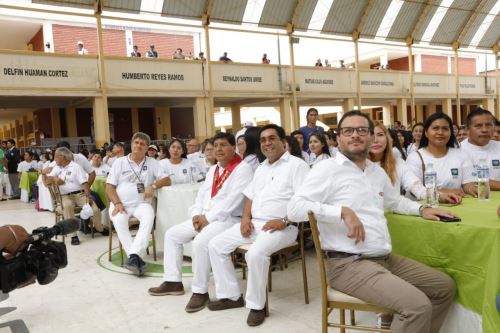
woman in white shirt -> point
(208, 151)
(453, 168)
(416, 132)
(101, 169)
(253, 155)
(177, 166)
(402, 178)
(318, 147)
(29, 164)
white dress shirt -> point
(452, 170)
(337, 183)
(197, 159)
(252, 160)
(273, 185)
(490, 152)
(25, 166)
(180, 173)
(227, 204)
(407, 180)
(313, 159)
(73, 176)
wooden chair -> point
(132, 221)
(57, 201)
(334, 299)
(282, 257)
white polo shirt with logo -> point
(73, 176)
(490, 151)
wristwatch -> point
(285, 220)
(421, 209)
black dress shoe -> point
(105, 232)
(75, 240)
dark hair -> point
(478, 112)
(452, 142)
(299, 132)
(321, 138)
(29, 152)
(226, 136)
(311, 110)
(354, 113)
(417, 124)
(278, 129)
(12, 142)
(294, 146)
(64, 144)
(174, 140)
(48, 156)
(118, 144)
(252, 140)
(395, 142)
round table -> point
(172, 208)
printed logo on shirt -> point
(145, 168)
(184, 171)
(381, 194)
(454, 172)
(68, 173)
(495, 163)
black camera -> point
(42, 259)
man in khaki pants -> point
(348, 194)
(73, 184)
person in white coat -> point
(263, 224)
(218, 206)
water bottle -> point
(431, 186)
(483, 180)
(192, 175)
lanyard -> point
(138, 176)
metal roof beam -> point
(421, 18)
(472, 17)
(365, 15)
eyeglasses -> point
(348, 131)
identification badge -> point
(140, 187)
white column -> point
(129, 41)
(387, 115)
(48, 37)
(447, 106)
(402, 113)
(489, 104)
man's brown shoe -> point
(226, 303)
(167, 288)
(197, 302)
(256, 317)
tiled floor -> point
(86, 297)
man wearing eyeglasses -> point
(264, 225)
(348, 194)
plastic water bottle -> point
(483, 180)
(431, 186)
(192, 175)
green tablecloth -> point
(27, 180)
(99, 186)
(469, 251)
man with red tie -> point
(218, 207)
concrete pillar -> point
(446, 107)
(71, 122)
(163, 125)
(347, 105)
(387, 115)
(489, 104)
(235, 118)
(402, 114)
(134, 114)
(286, 116)
(419, 113)
(101, 121)
(431, 108)
(55, 122)
(203, 118)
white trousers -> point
(145, 214)
(264, 243)
(180, 234)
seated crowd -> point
(258, 185)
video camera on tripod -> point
(41, 257)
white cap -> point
(248, 123)
(79, 42)
(86, 212)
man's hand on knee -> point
(118, 209)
